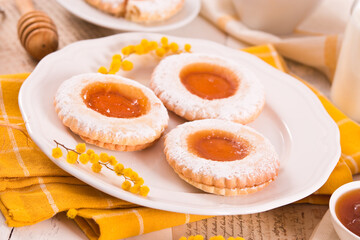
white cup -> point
(274, 16)
(345, 89)
(341, 230)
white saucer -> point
(88, 13)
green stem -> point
(66, 148)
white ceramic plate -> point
(294, 120)
(88, 13)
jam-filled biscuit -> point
(152, 10)
(141, 11)
(111, 111)
(221, 157)
(202, 86)
(113, 7)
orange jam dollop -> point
(115, 100)
(347, 209)
(209, 81)
(218, 145)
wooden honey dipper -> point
(36, 31)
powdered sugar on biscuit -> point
(114, 3)
(86, 122)
(243, 107)
(152, 10)
(259, 166)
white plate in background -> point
(90, 14)
(294, 120)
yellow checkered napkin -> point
(33, 189)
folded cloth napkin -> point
(325, 229)
(33, 189)
(315, 42)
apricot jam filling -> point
(115, 100)
(209, 81)
(218, 145)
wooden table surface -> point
(300, 219)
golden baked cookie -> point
(111, 111)
(152, 10)
(113, 7)
(141, 11)
(202, 86)
(221, 157)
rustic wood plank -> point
(4, 229)
(56, 228)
